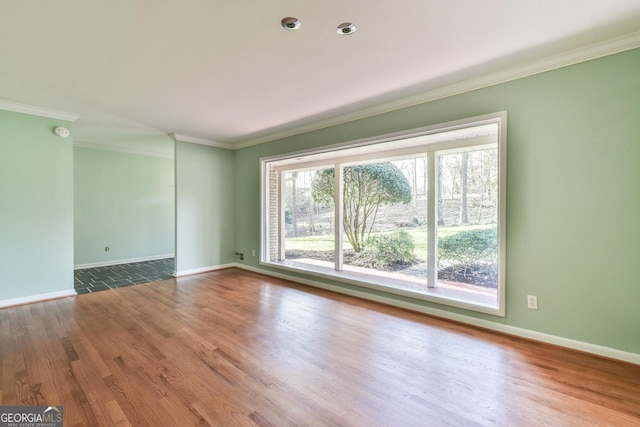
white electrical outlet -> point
(532, 302)
(253, 252)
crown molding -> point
(37, 111)
(553, 62)
(120, 149)
(192, 140)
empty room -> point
(341, 213)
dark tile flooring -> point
(116, 276)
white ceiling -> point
(227, 73)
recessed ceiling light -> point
(290, 23)
(346, 28)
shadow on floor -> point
(116, 276)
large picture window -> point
(421, 214)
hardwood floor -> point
(233, 348)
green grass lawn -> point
(419, 236)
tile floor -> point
(115, 276)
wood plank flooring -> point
(233, 348)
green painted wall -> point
(573, 199)
(205, 206)
(36, 207)
(124, 201)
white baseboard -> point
(36, 298)
(121, 261)
(204, 269)
(586, 347)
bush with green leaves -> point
(386, 250)
(470, 247)
(366, 188)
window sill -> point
(468, 297)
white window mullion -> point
(339, 215)
(432, 221)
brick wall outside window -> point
(273, 215)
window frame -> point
(330, 156)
